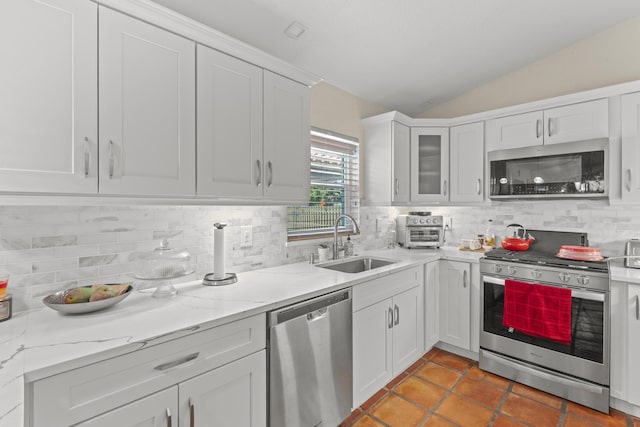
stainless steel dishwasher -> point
(310, 362)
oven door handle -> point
(586, 295)
(591, 388)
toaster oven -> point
(632, 248)
(420, 231)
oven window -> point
(586, 325)
(424, 234)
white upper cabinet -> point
(429, 164)
(147, 109)
(522, 130)
(401, 140)
(286, 153)
(48, 99)
(229, 126)
(387, 152)
(587, 120)
(467, 160)
(631, 147)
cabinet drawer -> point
(77, 395)
(368, 293)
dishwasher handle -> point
(312, 309)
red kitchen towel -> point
(537, 310)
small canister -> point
(632, 248)
(5, 307)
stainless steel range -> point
(578, 371)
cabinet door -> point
(157, 410)
(234, 395)
(633, 350)
(286, 168)
(408, 328)
(372, 350)
(48, 99)
(619, 312)
(229, 126)
(431, 303)
(147, 109)
(631, 147)
(401, 136)
(521, 130)
(587, 120)
(429, 164)
(455, 303)
(467, 163)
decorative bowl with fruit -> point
(86, 299)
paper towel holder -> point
(210, 279)
(228, 279)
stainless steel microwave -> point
(568, 170)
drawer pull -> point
(169, 365)
(192, 413)
(169, 424)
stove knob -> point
(511, 270)
(583, 280)
(428, 220)
(536, 274)
(497, 268)
(422, 221)
(564, 277)
(414, 221)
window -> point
(334, 188)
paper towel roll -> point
(218, 251)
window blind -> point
(334, 184)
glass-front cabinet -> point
(429, 164)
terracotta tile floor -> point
(443, 389)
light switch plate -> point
(246, 236)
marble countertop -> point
(41, 342)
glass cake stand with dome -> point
(162, 266)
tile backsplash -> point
(47, 248)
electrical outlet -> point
(246, 236)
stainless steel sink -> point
(357, 264)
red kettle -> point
(517, 243)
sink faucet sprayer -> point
(335, 232)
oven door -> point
(424, 236)
(587, 356)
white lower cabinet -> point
(158, 410)
(431, 304)
(234, 395)
(633, 344)
(388, 330)
(213, 377)
(455, 303)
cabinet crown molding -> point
(170, 20)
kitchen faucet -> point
(335, 232)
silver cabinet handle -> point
(479, 184)
(111, 159)
(637, 307)
(86, 157)
(628, 179)
(538, 124)
(192, 413)
(270, 168)
(390, 312)
(464, 279)
(445, 187)
(549, 126)
(168, 418)
(396, 310)
(259, 174)
(185, 359)
(397, 186)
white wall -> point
(604, 59)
